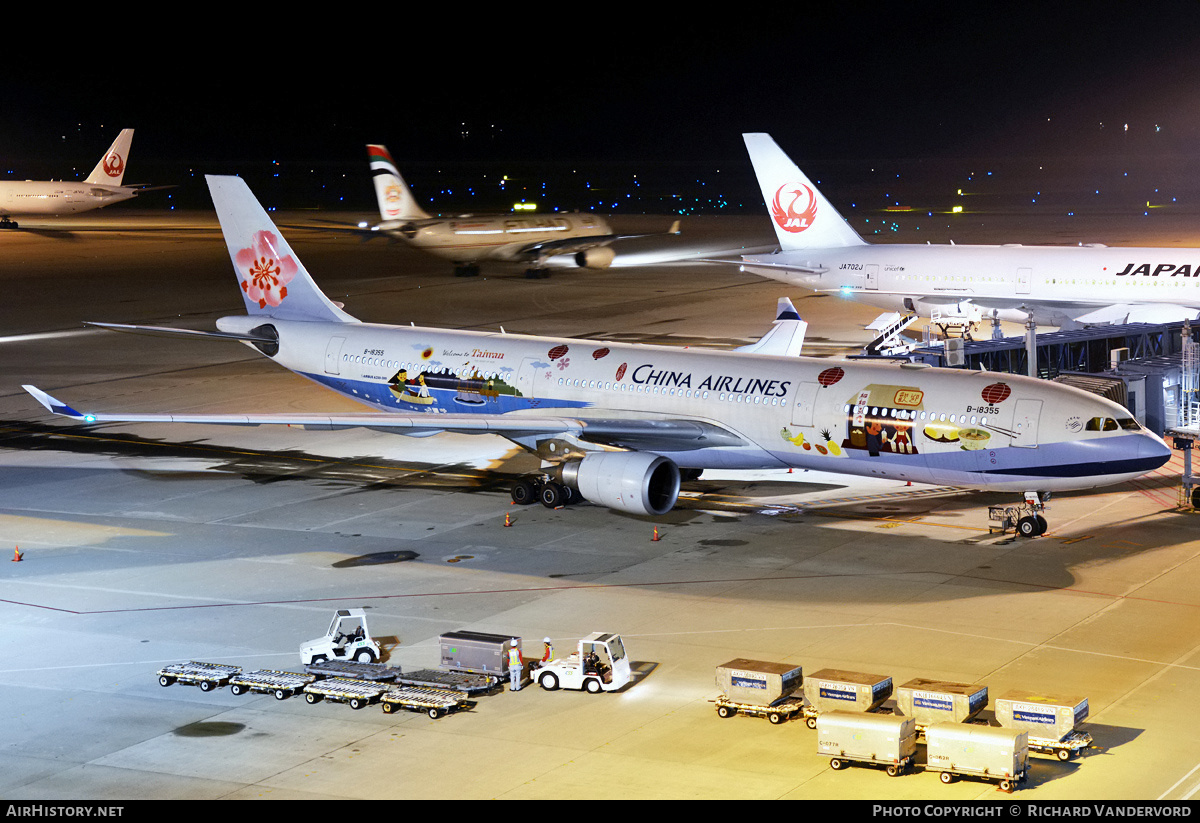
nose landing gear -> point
(1023, 518)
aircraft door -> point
(333, 355)
(1024, 280)
(804, 404)
(1025, 423)
(872, 276)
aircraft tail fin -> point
(274, 282)
(800, 214)
(395, 200)
(111, 168)
(786, 335)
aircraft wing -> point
(648, 434)
(571, 245)
(771, 268)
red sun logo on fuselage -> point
(794, 207)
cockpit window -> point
(1097, 424)
(1129, 424)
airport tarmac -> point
(144, 546)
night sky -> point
(660, 91)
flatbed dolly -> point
(268, 681)
(778, 712)
(463, 682)
(207, 676)
(357, 693)
(350, 670)
(434, 702)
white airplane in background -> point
(616, 422)
(468, 240)
(1057, 285)
(101, 188)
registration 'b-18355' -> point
(619, 424)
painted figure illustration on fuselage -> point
(879, 419)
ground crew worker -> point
(516, 667)
(549, 655)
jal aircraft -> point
(101, 188)
(469, 240)
(1057, 285)
(619, 423)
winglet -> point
(786, 335)
(56, 406)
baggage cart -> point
(357, 693)
(938, 701)
(268, 681)
(1050, 720)
(758, 688)
(830, 690)
(986, 752)
(434, 702)
(207, 676)
(860, 737)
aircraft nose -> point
(1153, 450)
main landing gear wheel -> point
(537, 490)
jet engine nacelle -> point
(600, 257)
(633, 482)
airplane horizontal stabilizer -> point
(168, 331)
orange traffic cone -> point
(507, 522)
(652, 539)
(17, 556)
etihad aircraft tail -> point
(396, 202)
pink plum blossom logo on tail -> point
(265, 274)
(794, 207)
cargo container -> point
(858, 737)
(759, 689)
(958, 749)
(830, 690)
(938, 701)
(1050, 720)
(476, 652)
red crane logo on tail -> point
(800, 209)
(113, 164)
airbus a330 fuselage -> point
(1056, 285)
(616, 421)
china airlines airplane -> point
(101, 188)
(468, 240)
(1057, 285)
(618, 424)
